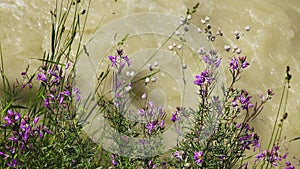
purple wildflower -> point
(36, 120)
(217, 62)
(113, 60)
(289, 165)
(46, 103)
(151, 165)
(42, 77)
(46, 130)
(270, 92)
(234, 102)
(67, 65)
(66, 92)
(13, 163)
(113, 161)
(179, 155)
(150, 126)
(118, 60)
(174, 117)
(77, 93)
(268, 97)
(127, 60)
(141, 112)
(261, 155)
(211, 58)
(244, 100)
(272, 156)
(198, 157)
(255, 142)
(164, 165)
(249, 138)
(202, 78)
(11, 118)
(151, 106)
(207, 59)
(162, 124)
(243, 62)
(61, 100)
(238, 125)
(238, 63)
(234, 63)
(245, 166)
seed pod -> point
(208, 26)
(227, 47)
(238, 51)
(199, 30)
(206, 19)
(179, 47)
(285, 115)
(247, 28)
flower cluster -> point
(269, 95)
(155, 117)
(209, 76)
(24, 134)
(27, 80)
(248, 137)
(274, 157)
(11, 118)
(238, 63)
(212, 61)
(121, 87)
(211, 58)
(52, 79)
(200, 79)
(243, 99)
(51, 76)
(237, 137)
(118, 60)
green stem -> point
(277, 115)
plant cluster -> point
(39, 126)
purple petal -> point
(35, 121)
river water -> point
(271, 44)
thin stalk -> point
(183, 77)
(163, 44)
(3, 75)
(277, 115)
